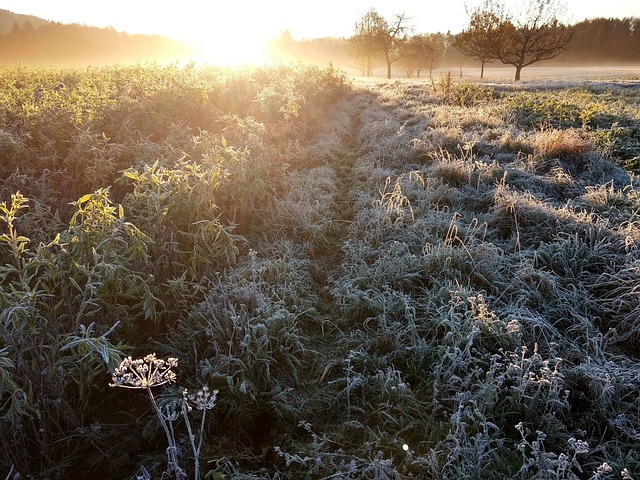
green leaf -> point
(85, 198)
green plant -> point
(355, 270)
(468, 94)
(15, 242)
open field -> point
(505, 74)
(534, 72)
(381, 279)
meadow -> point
(311, 277)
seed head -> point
(144, 372)
(202, 400)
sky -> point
(248, 22)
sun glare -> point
(232, 52)
(229, 36)
(224, 33)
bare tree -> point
(460, 64)
(526, 37)
(356, 49)
(477, 41)
(395, 36)
(374, 36)
(537, 34)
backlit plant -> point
(149, 372)
(144, 374)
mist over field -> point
(33, 41)
(581, 74)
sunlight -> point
(228, 36)
(233, 53)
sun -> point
(231, 33)
(232, 52)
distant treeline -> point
(74, 45)
(604, 40)
(594, 41)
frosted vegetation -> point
(397, 280)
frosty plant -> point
(152, 372)
(203, 400)
(143, 374)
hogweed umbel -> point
(143, 374)
(150, 371)
(202, 400)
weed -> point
(150, 372)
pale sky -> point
(250, 21)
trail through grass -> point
(466, 315)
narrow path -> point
(329, 362)
(344, 202)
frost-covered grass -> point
(396, 280)
(491, 270)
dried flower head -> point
(144, 372)
(625, 474)
(202, 400)
(578, 446)
(602, 470)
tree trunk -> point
(482, 70)
(386, 57)
(518, 70)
